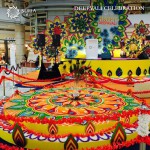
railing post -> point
(22, 67)
(30, 65)
(142, 146)
(26, 67)
(4, 90)
(13, 76)
(18, 68)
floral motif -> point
(146, 48)
(56, 27)
(133, 46)
(80, 24)
(141, 29)
(50, 52)
(38, 49)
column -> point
(1, 3)
(20, 42)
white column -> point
(20, 42)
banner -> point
(91, 48)
(108, 23)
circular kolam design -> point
(60, 103)
(57, 102)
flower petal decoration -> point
(141, 30)
(50, 52)
(56, 27)
(80, 23)
(38, 49)
(70, 143)
(18, 136)
(119, 134)
(133, 46)
(146, 48)
(110, 25)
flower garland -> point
(108, 130)
(116, 146)
(138, 139)
(7, 147)
(143, 125)
(97, 118)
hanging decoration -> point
(80, 23)
(132, 46)
(71, 143)
(141, 30)
(73, 47)
(119, 135)
(18, 136)
(110, 25)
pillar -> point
(1, 3)
(20, 42)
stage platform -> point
(110, 67)
(56, 113)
